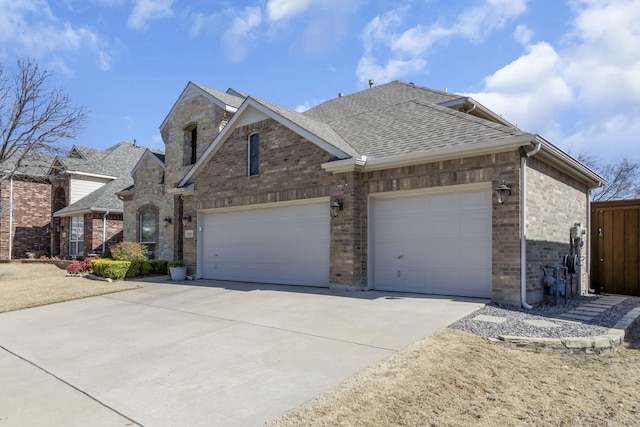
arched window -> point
(148, 231)
(254, 154)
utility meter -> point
(577, 231)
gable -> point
(254, 111)
(289, 167)
(226, 102)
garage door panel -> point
(288, 245)
(444, 239)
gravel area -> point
(515, 325)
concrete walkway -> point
(203, 354)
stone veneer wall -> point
(31, 216)
(555, 202)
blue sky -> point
(568, 70)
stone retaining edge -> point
(587, 346)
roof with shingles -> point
(118, 160)
(34, 164)
(322, 130)
(227, 98)
(400, 118)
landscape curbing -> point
(587, 346)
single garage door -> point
(433, 243)
(281, 244)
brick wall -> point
(494, 169)
(31, 216)
(554, 203)
(94, 225)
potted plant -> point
(177, 270)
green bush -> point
(139, 268)
(158, 266)
(116, 270)
(129, 251)
(177, 263)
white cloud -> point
(29, 28)
(278, 10)
(523, 34)
(593, 79)
(145, 11)
(406, 49)
(240, 32)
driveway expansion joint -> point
(68, 384)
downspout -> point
(104, 231)
(10, 217)
(523, 221)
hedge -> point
(118, 270)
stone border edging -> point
(587, 346)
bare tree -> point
(623, 176)
(34, 118)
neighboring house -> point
(68, 207)
(409, 175)
(25, 206)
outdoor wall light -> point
(503, 192)
(59, 228)
(185, 218)
(167, 220)
(336, 206)
(48, 229)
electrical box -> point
(577, 231)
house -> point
(66, 206)
(389, 188)
(25, 206)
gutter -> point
(104, 231)
(10, 217)
(523, 221)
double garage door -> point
(429, 243)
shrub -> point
(129, 251)
(158, 266)
(177, 263)
(81, 267)
(116, 270)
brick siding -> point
(31, 216)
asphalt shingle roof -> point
(118, 161)
(400, 118)
(34, 164)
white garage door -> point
(433, 243)
(287, 245)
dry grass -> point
(31, 285)
(456, 379)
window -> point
(76, 237)
(254, 153)
(194, 145)
(190, 144)
(148, 228)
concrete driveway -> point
(200, 354)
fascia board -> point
(92, 175)
(567, 164)
(242, 111)
(296, 128)
(402, 160)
